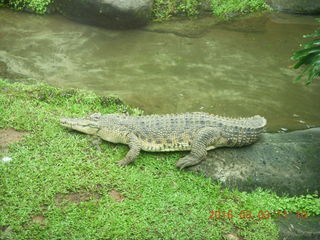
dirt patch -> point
(231, 236)
(76, 197)
(9, 136)
(116, 195)
(39, 219)
(5, 232)
(3, 228)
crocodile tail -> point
(258, 123)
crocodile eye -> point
(94, 116)
(91, 126)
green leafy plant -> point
(37, 6)
(309, 57)
(225, 8)
(189, 7)
(165, 9)
(2, 3)
(40, 7)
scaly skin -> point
(197, 132)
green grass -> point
(159, 201)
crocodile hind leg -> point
(134, 151)
(204, 138)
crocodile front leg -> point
(204, 138)
(135, 147)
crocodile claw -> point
(122, 163)
(187, 161)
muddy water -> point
(234, 69)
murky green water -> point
(232, 69)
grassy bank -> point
(164, 9)
(58, 185)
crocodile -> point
(196, 132)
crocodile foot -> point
(123, 162)
(96, 142)
(187, 161)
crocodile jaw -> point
(81, 125)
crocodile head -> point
(81, 124)
(93, 123)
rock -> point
(253, 23)
(287, 163)
(188, 28)
(296, 6)
(294, 228)
(205, 7)
(114, 14)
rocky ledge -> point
(296, 6)
(114, 14)
(287, 163)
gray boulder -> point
(295, 228)
(287, 163)
(296, 6)
(114, 14)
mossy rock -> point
(287, 163)
(107, 13)
(296, 6)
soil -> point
(39, 219)
(116, 196)
(9, 136)
(76, 197)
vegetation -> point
(225, 8)
(2, 3)
(37, 6)
(164, 9)
(309, 57)
(58, 185)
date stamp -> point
(215, 215)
